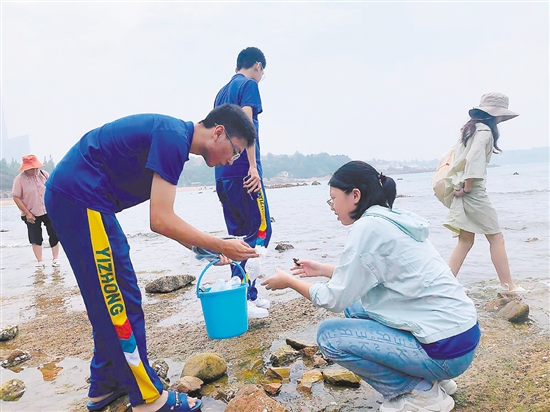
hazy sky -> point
(384, 80)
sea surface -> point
(302, 218)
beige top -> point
(31, 189)
(472, 212)
(470, 161)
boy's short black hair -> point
(234, 119)
(248, 58)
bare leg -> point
(55, 251)
(465, 243)
(37, 249)
(100, 398)
(500, 260)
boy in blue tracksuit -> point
(239, 186)
(112, 168)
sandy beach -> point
(510, 372)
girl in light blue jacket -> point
(409, 327)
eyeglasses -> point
(263, 72)
(236, 152)
(330, 201)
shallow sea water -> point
(301, 218)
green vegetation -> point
(9, 170)
(296, 166)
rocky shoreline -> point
(510, 371)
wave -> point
(14, 245)
(521, 192)
(141, 235)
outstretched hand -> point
(308, 268)
(237, 249)
(280, 280)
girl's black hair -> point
(479, 116)
(375, 188)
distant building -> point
(15, 148)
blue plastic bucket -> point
(225, 312)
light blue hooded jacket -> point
(389, 265)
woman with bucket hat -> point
(471, 211)
(28, 194)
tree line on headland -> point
(298, 166)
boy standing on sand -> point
(112, 168)
(239, 185)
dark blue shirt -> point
(241, 91)
(111, 168)
(455, 346)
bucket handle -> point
(213, 263)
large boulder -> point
(206, 366)
(167, 284)
(515, 312)
(252, 398)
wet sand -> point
(60, 342)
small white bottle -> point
(253, 266)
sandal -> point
(97, 406)
(177, 402)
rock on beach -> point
(8, 332)
(12, 390)
(341, 377)
(252, 398)
(168, 284)
(206, 366)
(15, 358)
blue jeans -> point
(390, 360)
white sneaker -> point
(449, 386)
(435, 400)
(56, 263)
(261, 303)
(40, 265)
(255, 312)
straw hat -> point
(30, 162)
(496, 105)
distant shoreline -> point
(9, 200)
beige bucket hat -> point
(496, 105)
